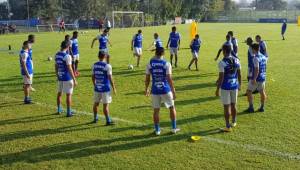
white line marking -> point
(247, 147)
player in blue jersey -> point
(103, 82)
(262, 46)
(65, 76)
(174, 45)
(283, 29)
(31, 41)
(75, 52)
(227, 43)
(249, 42)
(162, 88)
(26, 71)
(137, 45)
(258, 78)
(234, 43)
(195, 48)
(103, 41)
(229, 82)
(157, 43)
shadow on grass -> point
(194, 76)
(195, 86)
(29, 119)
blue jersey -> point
(283, 28)
(62, 60)
(75, 49)
(159, 69)
(158, 43)
(174, 39)
(103, 40)
(30, 50)
(229, 66)
(260, 61)
(195, 45)
(263, 48)
(234, 45)
(101, 71)
(250, 58)
(26, 58)
(138, 41)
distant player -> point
(65, 76)
(227, 43)
(26, 71)
(137, 45)
(162, 88)
(103, 41)
(157, 43)
(62, 26)
(258, 78)
(229, 82)
(235, 45)
(174, 45)
(101, 24)
(108, 25)
(31, 41)
(283, 29)
(103, 82)
(75, 52)
(262, 46)
(195, 48)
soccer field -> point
(34, 137)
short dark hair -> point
(174, 28)
(101, 54)
(25, 43)
(75, 33)
(258, 36)
(226, 49)
(249, 41)
(230, 33)
(67, 36)
(64, 44)
(228, 36)
(255, 47)
(197, 36)
(30, 36)
(139, 31)
(106, 31)
(159, 51)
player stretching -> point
(283, 29)
(75, 52)
(234, 43)
(157, 43)
(230, 82)
(195, 47)
(174, 44)
(262, 46)
(136, 46)
(258, 78)
(228, 43)
(103, 81)
(65, 76)
(26, 71)
(162, 88)
(31, 41)
(103, 40)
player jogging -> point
(103, 40)
(62, 26)
(174, 45)
(162, 88)
(229, 82)
(157, 43)
(75, 52)
(31, 41)
(65, 76)
(283, 29)
(262, 46)
(103, 82)
(136, 46)
(227, 43)
(258, 78)
(234, 43)
(195, 48)
(26, 71)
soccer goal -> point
(125, 19)
(55, 27)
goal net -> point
(125, 19)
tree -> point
(270, 4)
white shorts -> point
(105, 50)
(75, 57)
(65, 87)
(173, 51)
(260, 86)
(195, 55)
(167, 99)
(137, 51)
(104, 98)
(27, 81)
(229, 96)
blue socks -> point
(174, 124)
(108, 120)
(156, 126)
(69, 112)
(59, 109)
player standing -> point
(234, 43)
(136, 46)
(75, 52)
(162, 88)
(157, 43)
(262, 46)
(227, 43)
(102, 81)
(26, 71)
(174, 44)
(103, 40)
(31, 41)
(249, 42)
(65, 76)
(229, 82)
(283, 29)
(62, 26)
(258, 78)
(195, 47)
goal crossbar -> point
(126, 12)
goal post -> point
(122, 19)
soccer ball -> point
(130, 67)
(49, 58)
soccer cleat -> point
(226, 129)
(69, 114)
(27, 101)
(233, 124)
(174, 131)
(157, 133)
(250, 110)
(59, 111)
(261, 109)
(96, 119)
(110, 124)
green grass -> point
(32, 137)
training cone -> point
(195, 138)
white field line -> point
(248, 147)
